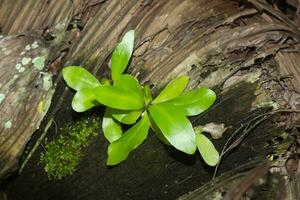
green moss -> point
(63, 154)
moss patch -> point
(63, 154)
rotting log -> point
(239, 50)
(25, 95)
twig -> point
(237, 192)
(38, 142)
(262, 6)
(247, 130)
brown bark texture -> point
(246, 51)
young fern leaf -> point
(79, 78)
(172, 90)
(119, 150)
(175, 127)
(122, 54)
(195, 102)
(118, 98)
(111, 129)
(206, 148)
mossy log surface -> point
(242, 51)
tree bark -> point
(242, 50)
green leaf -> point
(104, 81)
(158, 132)
(147, 94)
(126, 116)
(83, 100)
(172, 90)
(122, 55)
(118, 98)
(128, 82)
(207, 149)
(175, 127)
(111, 129)
(195, 101)
(79, 78)
(120, 149)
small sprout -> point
(128, 102)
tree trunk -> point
(245, 51)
